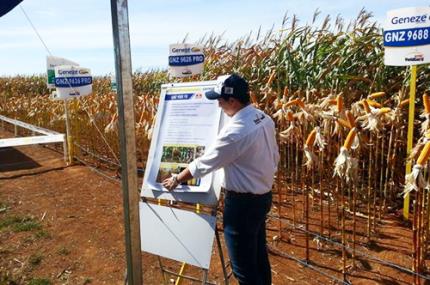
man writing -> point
(247, 152)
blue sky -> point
(81, 30)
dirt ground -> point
(64, 225)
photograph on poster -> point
(176, 158)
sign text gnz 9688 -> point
(407, 37)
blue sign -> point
(179, 96)
(184, 60)
(64, 82)
(407, 37)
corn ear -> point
(285, 95)
(311, 138)
(373, 103)
(384, 110)
(426, 101)
(350, 139)
(343, 123)
(404, 103)
(351, 119)
(366, 106)
(339, 103)
(271, 78)
(424, 155)
(291, 103)
(376, 95)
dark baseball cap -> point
(230, 86)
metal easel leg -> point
(205, 276)
(162, 270)
(221, 256)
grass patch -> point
(19, 224)
(35, 259)
(42, 234)
(39, 281)
(3, 207)
(63, 251)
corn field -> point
(341, 117)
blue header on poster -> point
(171, 97)
(407, 37)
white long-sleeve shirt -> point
(246, 150)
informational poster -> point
(185, 60)
(407, 36)
(187, 125)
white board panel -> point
(177, 234)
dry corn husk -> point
(426, 113)
(292, 133)
(320, 141)
(426, 123)
(345, 166)
(373, 120)
(415, 179)
(310, 158)
(112, 124)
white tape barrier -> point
(48, 136)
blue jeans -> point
(245, 236)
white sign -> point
(177, 234)
(185, 60)
(51, 63)
(187, 124)
(72, 81)
(407, 36)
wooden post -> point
(126, 120)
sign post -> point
(126, 120)
(407, 43)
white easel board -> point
(186, 124)
(177, 234)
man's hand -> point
(171, 182)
